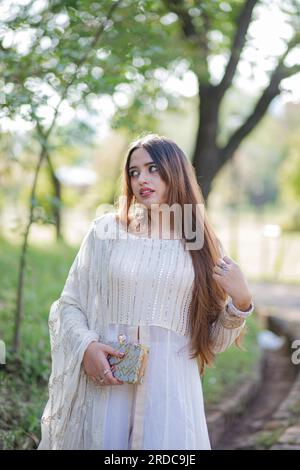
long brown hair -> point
(208, 299)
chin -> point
(146, 202)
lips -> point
(146, 191)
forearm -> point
(75, 331)
(243, 301)
(229, 326)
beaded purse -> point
(131, 367)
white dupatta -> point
(75, 320)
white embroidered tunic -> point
(117, 282)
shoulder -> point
(108, 217)
(104, 224)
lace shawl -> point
(75, 320)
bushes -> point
(24, 380)
(232, 366)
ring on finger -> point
(225, 267)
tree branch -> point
(178, 7)
(188, 28)
(272, 90)
(243, 23)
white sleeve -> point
(225, 330)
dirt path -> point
(279, 374)
(278, 378)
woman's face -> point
(144, 174)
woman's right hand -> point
(95, 363)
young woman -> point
(186, 302)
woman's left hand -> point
(232, 280)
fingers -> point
(219, 271)
(111, 380)
(111, 351)
(108, 379)
(105, 375)
(102, 373)
(222, 267)
(221, 262)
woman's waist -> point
(173, 319)
(143, 333)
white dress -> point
(173, 406)
(149, 287)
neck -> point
(156, 224)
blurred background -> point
(79, 80)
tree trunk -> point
(57, 206)
(58, 202)
(23, 259)
(206, 158)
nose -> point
(143, 179)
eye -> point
(152, 166)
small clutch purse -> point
(131, 367)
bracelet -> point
(239, 313)
(230, 321)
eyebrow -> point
(146, 164)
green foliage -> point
(45, 276)
(232, 366)
(266, 439)
(77, 53)
(264, 171)
(289, 176)
(24, 380)
(290, 173)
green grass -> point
(266, 439)
(23, 383)
(232, 366)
